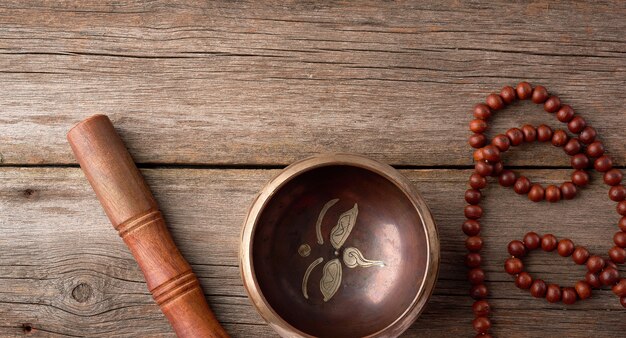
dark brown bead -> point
(553, 193)
(476, 276)
(532, 241)
(552, 104)
(508, 94)
(477, 182)
(548, 242)
(482, 111)
(569, 296)
(595, 264)
(588, 135)
(523, 280)
(620, 239)
(617, 255)
(515, 135)
(572, 147)
(577, 124)
(559, 138)
(580, 178)
(610, 264)
(620, 288)
(593, 280)
(474, 243)
(524, 90)
(617, 193)
(583, 289)
(478, 126)
(506, 178)
(553, 293)
(472, 196)
(491, 153)
(479, 291)
(473, 260)
(603, 163)
(536, 193)
(501, 142)
(495, 102)
(481, 324)
(580, 255)
(513, 266)
(621, 208)
(609, 276)
(497, 168)
(473, 211)
(580, 161)
(622, 224)
(595, 149)
(544, 133)
(483, 168)
(565, 247)
(479, 155)
(538, 288)
(568, 190)
(477, 140)
(565, 114)
(540, 94)
(481, 308)
(522, 185)
(471, 227)
(613, 177)
(530, 133)
(516, 248)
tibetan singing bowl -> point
(339, 246)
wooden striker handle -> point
(134, 213)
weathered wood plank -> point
(267, 83)
(64, 271)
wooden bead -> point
(617, 193)
(532, 241)
(481, 324)
(515, 135)
(621, 208)
(473, 260)
(617, 255)
(481, 308)
(559, 138)
(508, 94)
(513, 266)
(477, 182)
(565, 248)
(603, 163)
(497, 168)
(613, 177)
(472, 196)
(473, 211)
(595, 264)
(483, 168)
(471, 227)
(536, 193)
(583, 289)
(516, 249)
(507, 178)
(491, 153)
(501, 142)
(477, 140)
(479, 291)
(548, 242)
(620, 239)
(610, 264)
(540, 94)
(609, 276)
(530, 133)
(523, 280)
(565, 113)
(580, 178)
(595, 149)
(620, 288)
(495, 102)
(580, 255)
(552, 104)
(572, 147)
(569, 296)
(568, 190)
(577, 124)
(593, 280)
(580, 161)
(476, 276)
(474, 243)
(622, 224)
(478, 126)
(524, 90)
(544, 133)
(588, 135)
(482, 111)
(553, 193)
(522, 185)
(538, 288)
(553, 293)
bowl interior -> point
(339, 251)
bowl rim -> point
(250, 283)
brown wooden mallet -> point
(134, 213)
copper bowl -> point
(339, 246)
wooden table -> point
(213, 99)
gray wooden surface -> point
(213, 98)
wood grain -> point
(65, 272)
(267, 83)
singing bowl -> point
(339, 245)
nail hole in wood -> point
(27, 328)
(28, 193)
